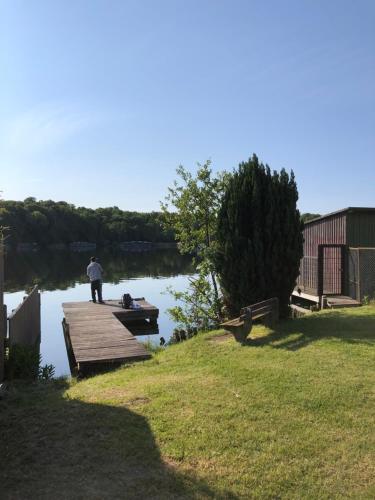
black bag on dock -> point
(126, 301)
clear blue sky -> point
(100, 101)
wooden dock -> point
(340, 301)
(102, 333)
(331, 301)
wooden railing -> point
(24, 322)
(3, 315)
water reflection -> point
(60, 270)
(62, 278)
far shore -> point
(85, 246)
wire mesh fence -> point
(308, 279)
(361, 268)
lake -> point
(61, 277)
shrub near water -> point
(24, 362)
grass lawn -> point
(291, 415)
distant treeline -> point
(308, 216)
(50, 222)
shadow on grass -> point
(294, 334)
(54, 447)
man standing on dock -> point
(94, 272)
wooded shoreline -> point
(45, 222)
(85, 246)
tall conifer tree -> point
(259, 236)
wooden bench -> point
(241, 327)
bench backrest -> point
(262, 308)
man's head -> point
(92, 259)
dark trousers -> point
(96, 286)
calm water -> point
(61, 277)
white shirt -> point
(94, 271)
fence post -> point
(359, 298)
(344, 273)
(320, 270)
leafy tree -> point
(259, 236)
(195, 200)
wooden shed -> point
(339, 255)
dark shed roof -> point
(348, 210)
